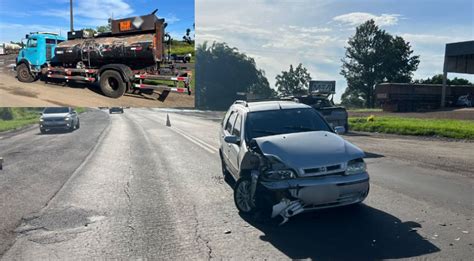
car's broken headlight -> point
(276, 170)
(355, 166)
(280, 174)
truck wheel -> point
(23, 73)
(111, 84)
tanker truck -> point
(132, 58)
(9, 48)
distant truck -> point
(9, 48)
(406, 97)
(129, 59)
(318, 98)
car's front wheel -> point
(78, 124)
(243, 196)
(43, 131)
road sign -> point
(322, 87)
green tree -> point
(374, 56)
(295, 81)
(104, 28)
(438, 79)
(222, 72)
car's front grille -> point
(54, 119)
(324, 170)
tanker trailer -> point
(120, 61)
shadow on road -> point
(348, 233)
(50, 132)
(370, 155)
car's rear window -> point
(56, 110)
(266, 123)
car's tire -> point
(78, 124)
(43, 131)
(112, 84)
(242, 196)
(24, 74)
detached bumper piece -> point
(312, 194)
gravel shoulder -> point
(14, 93)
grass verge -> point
(457, 129)
(15, 118)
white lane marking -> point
(196, 141)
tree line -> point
(372, 56)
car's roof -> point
(272, 105)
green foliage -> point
(351, 98)
(457, 129)
(222, 72)
(374, 56)
(295, 81)
(13, 118)
(438, 79)
(104, 28)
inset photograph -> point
(89, 53)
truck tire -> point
(112, 84)
(24, 74)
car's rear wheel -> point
(24, 74)
(242, 196)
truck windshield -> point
(56, 110)
(267, 123)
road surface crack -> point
(198, 236)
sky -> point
(19, 17)
(277, 33)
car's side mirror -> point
(232, 139)
(339, 130)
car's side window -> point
(237, 126)
(230, 122)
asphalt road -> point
(14, 93)
(140, 189)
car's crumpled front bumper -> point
(311, 193)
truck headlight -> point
(356, 166)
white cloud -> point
(357, 18)
(171, 19)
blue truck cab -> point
(38, 51)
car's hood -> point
(309, 149)
(54, 115)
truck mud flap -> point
(163, 95)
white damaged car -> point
(286, 159)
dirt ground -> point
(448, 113)
(14, 93)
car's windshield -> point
(266, 123)
(56, 110)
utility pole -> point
(72, 16)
